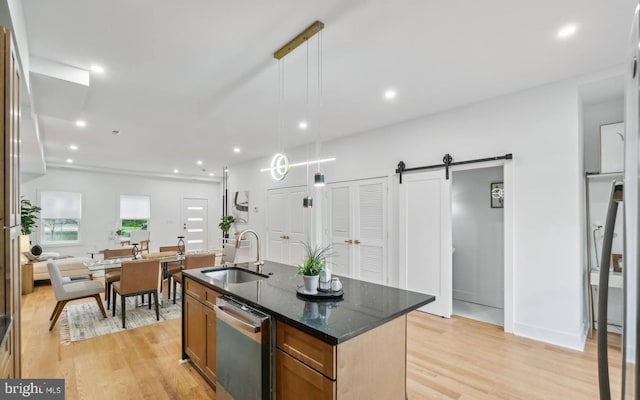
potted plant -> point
(28, 216)
(314, 263)
(225, 224)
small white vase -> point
(311, 283)
(325, 279)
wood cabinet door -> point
(295, 380)
(194, 330)
(210, 345)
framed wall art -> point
(497, 195)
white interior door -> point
(370, 231)
(276, 212)
(340, 231)
(425, 238)
(287, 225)
(298, 217)
(194, 224)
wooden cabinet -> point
(368, 366)
(194, 331)
(295, 380)
(199, 327)
(209, 362)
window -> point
(135, 212)
(61, 214)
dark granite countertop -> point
(364, 305)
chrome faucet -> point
(259, 263)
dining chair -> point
(172, 267)
(140, 237)
(66, 292)
(138, 277)
(192, 261)
(113, 275)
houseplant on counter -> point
(225, 224)
(314, 263)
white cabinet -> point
(287, 225)
(357, 228)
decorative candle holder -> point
(181, 245)
(135, 250)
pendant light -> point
(318, 177)
(280, 163)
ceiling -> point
(190, 80)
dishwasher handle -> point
(250, 330)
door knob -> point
(349, 241)
(287, 237)
(283, 237)
(356, 241)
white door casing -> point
(195, 224)
(425, 238)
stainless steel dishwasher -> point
(243, 352)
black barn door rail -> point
(447, 161)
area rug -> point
(84, 320)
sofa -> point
(69, 267)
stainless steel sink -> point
(234, 275)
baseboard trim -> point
(562, 339)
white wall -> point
(478, 238)
(541, 128)
(100, 205)
(595, 115)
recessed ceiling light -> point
(97, 69)
(303, 125)
(175, 171)
(69, 161)
(81, 123)
(567, 31)
(199, 162)
(73, 147)
(390, 94)
(236, 149)
(210, 173)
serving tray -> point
(320, 295)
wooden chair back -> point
(117, 253)
(199, 260)
(138, 276)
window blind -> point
(61, 205)
(135, 207)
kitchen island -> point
(351, 348)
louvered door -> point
(358, 229)
(370, 228)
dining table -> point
(104, 265)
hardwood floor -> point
(466, 359)
(140, 363)
(447, 359)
